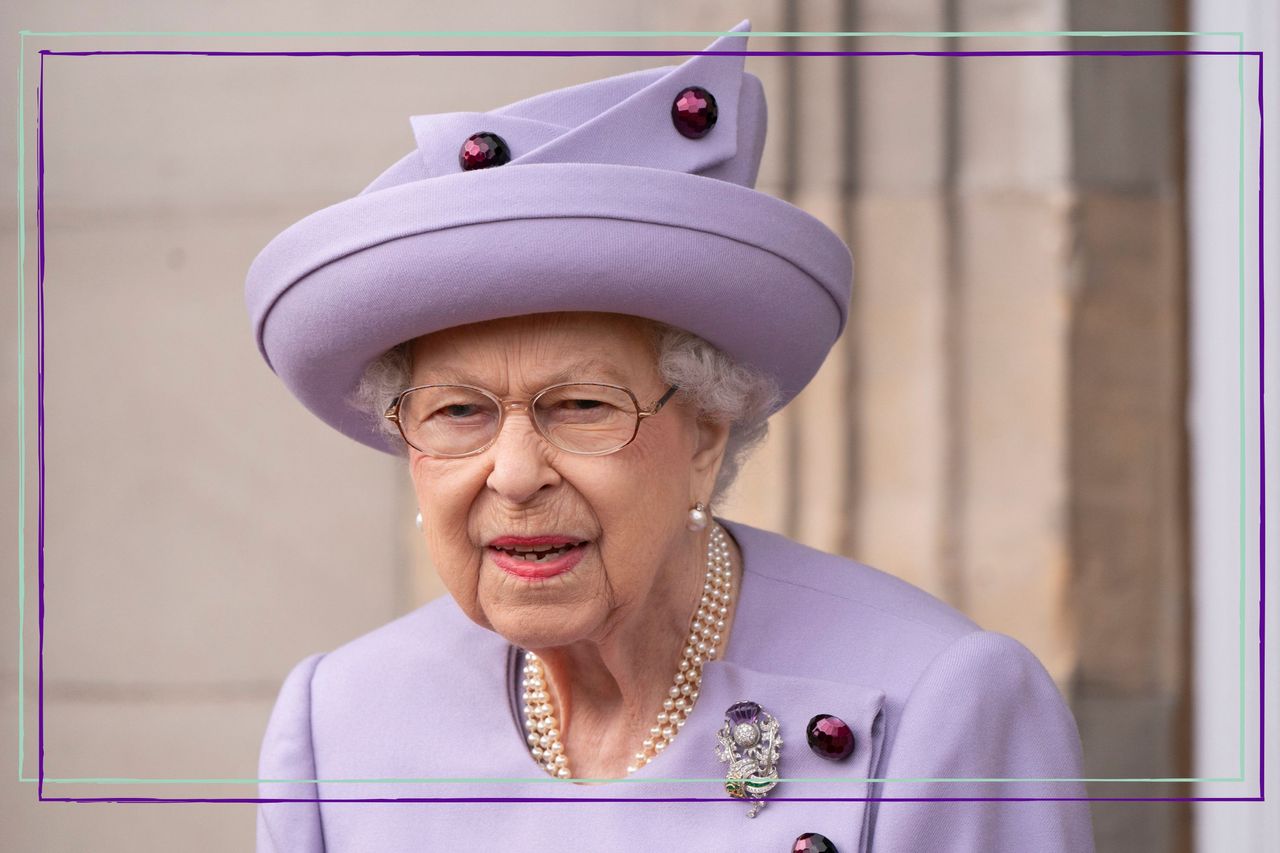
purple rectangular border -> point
(40, 126)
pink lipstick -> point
(536, 557)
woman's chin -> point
(543, 626)
(541, 612)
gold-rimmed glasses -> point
(586, 418)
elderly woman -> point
(572, 317)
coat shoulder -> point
(833, 616)
(436, 637)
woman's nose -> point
(521, 457)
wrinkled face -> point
(629, 507)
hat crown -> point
(621, 120)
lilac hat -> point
(632, 195)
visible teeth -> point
(539, 554)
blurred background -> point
(1044, 409)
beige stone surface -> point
(27, 825)
(899, 125)
(163, 733)
(1015, 128)
(195, 511)
(1129, 511)
(1014, 367)
(897, 333)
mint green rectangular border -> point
(488, 33)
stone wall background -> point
(1000, 424)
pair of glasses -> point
(587, 418)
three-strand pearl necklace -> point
(703, 644)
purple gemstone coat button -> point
(812, 842)
(830, 737)
(694, 112)
(483, 150)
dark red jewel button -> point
(694, 112)
(830, 737)
(812, 842)
(482, 150)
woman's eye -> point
(457, 410)
(582, 404)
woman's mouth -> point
(537, 561)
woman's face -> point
(630, 507)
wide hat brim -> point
(755, 276)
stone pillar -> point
(1126, 405)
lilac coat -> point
(927, 693)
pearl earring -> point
(418, 521)
(698, 516)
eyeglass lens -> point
(453, 420)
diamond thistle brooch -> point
(751, 742)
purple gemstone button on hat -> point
(482, 150)
(694, 112)
(812, 842)
(830, 737)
